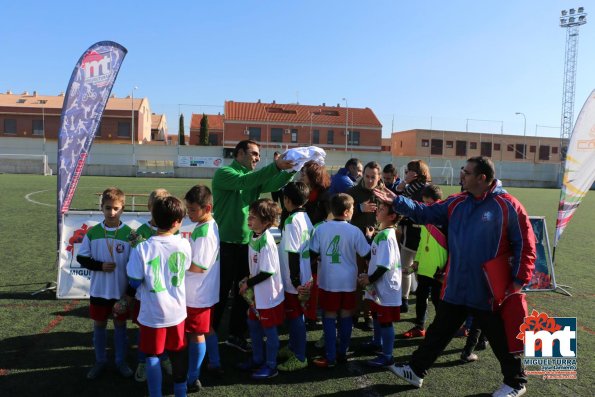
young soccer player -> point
(157, 268)
(383, 286)
(104, 251)
(202, 284)
(265, 279)
(429, 264)
(294, 255)
(144, 232)
(336, 242)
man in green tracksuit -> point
(235, 187)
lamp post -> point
(132, 124)
(346, 124)
(524, 133)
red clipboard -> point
(499, 277)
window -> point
(520, 151)
(486, 149)
(532, 149)
(10, 126)
(449, 144)
(461, 149)
(496, 147)
(124, 129)
(37, 127)
(544, 152)
(294, 135)
(276, 134)
(213, 140)
(554, 150)
(473, 145)
(436, 147)
(510, 148)
(316, 136)
(254, 133)
(354, 138)
(425, 143)
(330, 137)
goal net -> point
(25, 164)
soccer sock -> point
(329, 327)
(180, 389)
(377, 338)
(154, 376)
(99, 342)
(140, 356)
(388, 339)
(120, 343)
(297, 337)
(257, 336)
(196, 353)
(345, 328)
(212, 342)
(272, 346)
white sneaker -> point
(506, 391)
(406, 373)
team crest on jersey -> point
(255, 258)
(119, 248)
(487, 216)
(373, 250)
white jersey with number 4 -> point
(263, 257)
(160, 263)
(337, 243)
(296, 239)
(385, 253)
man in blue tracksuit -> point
(484, 222)
(346, 177)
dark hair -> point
(421, 169)
(352, 161)
(114, 194)
(244, 146)
(200, 195)
(389, 168)
(297, 193)
(432, 191)
(340, 203)
(317, 175)
(483, 165)
(266, 210)
(166, 211)
(373, 165)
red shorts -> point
(385, 314)
(312, 305)
(335, 301)
(293, 306)
(272, 317)
(105, 312)
(153, 341)
(198, 320)
(135, 311)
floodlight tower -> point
(571, 20)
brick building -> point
(215, 129)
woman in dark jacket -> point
(318, 180)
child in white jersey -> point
(157, 268)
(337, 242)
(104, 251)
(294, 255)
(383, 286)
(265, 279)
(202, 284)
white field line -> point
(29, 199)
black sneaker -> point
(239, 343)
(482, 345)
(194, 386)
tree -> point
(181, 137)
(203, 138)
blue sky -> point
(431, 64)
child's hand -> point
(415, 266)
(108, 267)
(368, 206)
(370, 232)
(363, 279)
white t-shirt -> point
(263, 257)
(202, 289)
(161, 263)
(337, 242)
(107, 244)
(385, 253)
(296, 239)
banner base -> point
(561, 289)
(50, 286)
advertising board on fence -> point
(196, 161)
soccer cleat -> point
(482, 345)
(322, 362)
(469, 358)
(292, 364)
(406, 373)
(194, 386)
(415, 332)
(506, 391)
(239, 343)
(166, 366)
(264, 372)
(320, 343)
(97, 370)
(141, 372)
(124, 370)
(381, 361)
(371, 347)
(285, 353)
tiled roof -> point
(156, 121)
(28, 100)
(215, 121)
(300, 114)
